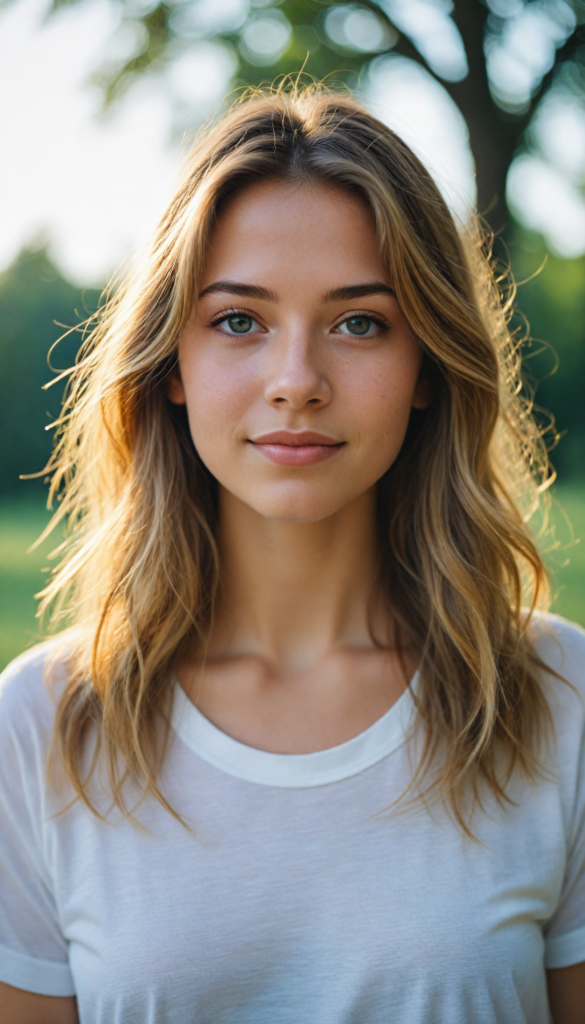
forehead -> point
(310, 232)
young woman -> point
(300, 754)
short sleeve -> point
(33, 951)
(565, 932)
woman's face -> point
(297, 369)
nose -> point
(295, 380)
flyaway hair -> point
(140, 571)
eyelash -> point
(378, 320)
(375, 318)
(226, 314)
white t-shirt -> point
(293, 899)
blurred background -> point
(99, 100)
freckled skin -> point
(298, 370)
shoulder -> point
(29, 691)
(561, 646)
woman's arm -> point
(20, 1007)
(566, 994)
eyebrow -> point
(250, 291)
(256, 291)
(357, 291)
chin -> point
(300, 507)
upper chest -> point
(304, 710)
(322, 862)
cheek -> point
(218, 392)
(380, 395)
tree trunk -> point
(493, 134)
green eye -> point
(239, 324)
(358, 324)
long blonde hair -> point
(139, 573)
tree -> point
(506, 55)
(35, 299)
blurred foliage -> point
(553, 305)
(497, 59)
(33, 295)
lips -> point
(296, 447)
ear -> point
(423, 392)
(174, 387)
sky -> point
(93, 187)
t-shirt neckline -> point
(293, 771)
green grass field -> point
(21, 574)
(566, 557)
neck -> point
(292, 592)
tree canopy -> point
(497, 59)
(469, 47)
